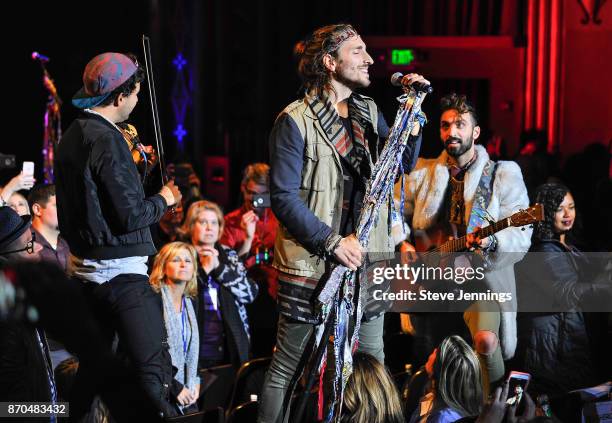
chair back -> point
(216, 386)
(249, 381)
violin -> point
(144, 156)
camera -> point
(7, 161)
(261, 201)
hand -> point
(411, 78)
(209, 257)
(349, 252)
(248, 223)
(151, 155)
(495, 409)
(75, 265)
(473, 240)
(528, 413)
(196, 393)
(185, 397)
(20, 181)
(171, 194)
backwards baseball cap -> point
(103, 74)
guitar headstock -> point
(528, 216)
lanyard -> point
(184, 322)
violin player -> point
(105, 217)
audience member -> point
(174, 276)
(497, 408)
(251, 231)
(42, 202)
(370, 395)
(537, 165)
(554, 346)
(25, 366)
(54, 249)
(457, 384)
(17, 239)
(186, 179)
(223, 289)
(19, 203)
(19, 182)
(167, 229)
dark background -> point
(241, 73)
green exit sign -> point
(402, 57)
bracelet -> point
(492, 247)
(331, 243)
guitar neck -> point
(456, 245)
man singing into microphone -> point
(104, 216)
(322, 151)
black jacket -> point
(235, 290)
(554, 346)
(23, 370)
(101, 205)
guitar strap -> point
(482, 198)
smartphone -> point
(518, 382)
(28, 168)
(261, 201)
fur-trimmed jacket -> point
(424, 193)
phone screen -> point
(28, 168)
(518, 382)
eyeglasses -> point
(29, 247)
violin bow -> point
(146, 47)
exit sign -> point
(402, 57)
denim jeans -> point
(290, 344)
(127, 305)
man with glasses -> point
(26, 370)
(17, 239)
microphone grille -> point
(396, 79)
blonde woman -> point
(370, 395)
(223, 289)
(457, 384)
(174, 276)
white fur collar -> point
(430, 192)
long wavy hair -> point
(550, 195)
(458, 378)
(370, 395)
(167, 253)
(310, 52)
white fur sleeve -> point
(511, 194)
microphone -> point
(40, 57)
(397, 80)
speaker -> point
(216, 183)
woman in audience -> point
(457, 388)
(19, 203)
(174, 276)
(10, 197)
(553, 344)
(370, 395)
(223, 289)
